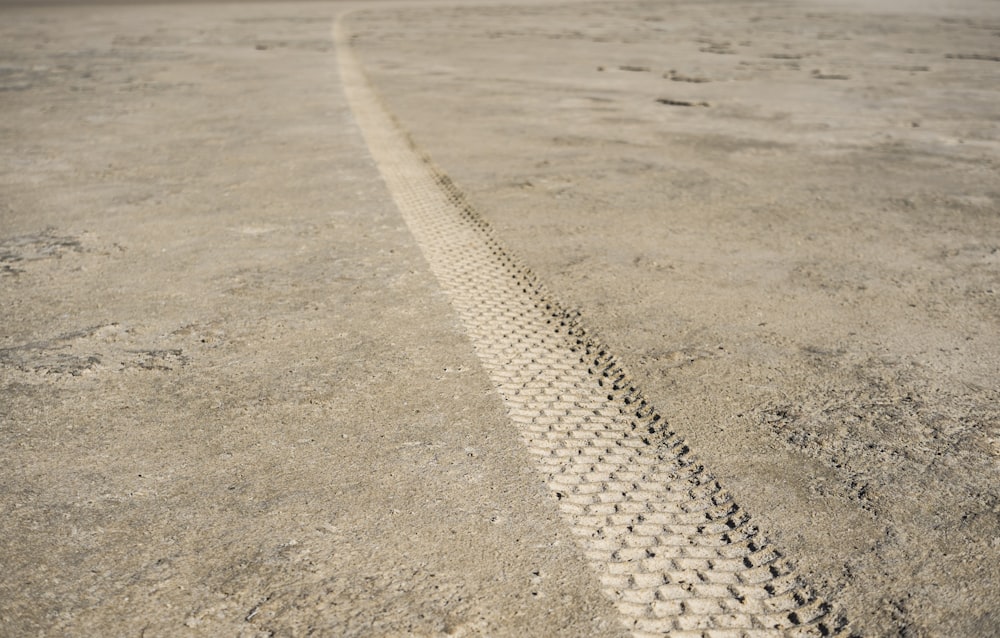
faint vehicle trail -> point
(670, 546)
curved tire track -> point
(670, 546)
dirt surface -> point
(785, 219)
(233, 400)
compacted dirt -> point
(234, 399)
(785, 218)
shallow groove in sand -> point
(669, 545)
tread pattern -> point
(671, 548)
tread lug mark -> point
(670, 547)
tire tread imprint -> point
(669, 545)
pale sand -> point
(786, 221)
(234, 400)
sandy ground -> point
(233, 399)
(786, 219)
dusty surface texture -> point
(785, 218)
(233, 400)
(670, 546)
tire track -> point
(670, 546)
